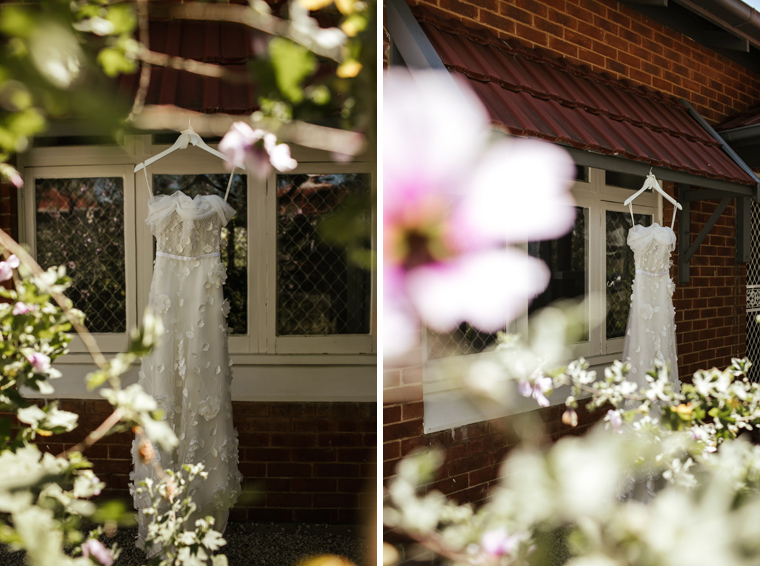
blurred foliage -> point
(45, 500)
(50, 54)
(673, 479)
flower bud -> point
(570, 417)
(146, 451)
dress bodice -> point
(188, 227)
(652, 247)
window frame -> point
(260, 345)
(319, 344)
(111, 341)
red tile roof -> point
(224, 44)
(750, 117)
(533, 94)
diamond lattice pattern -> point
(319, 290)
(80, 224)
(753, 296)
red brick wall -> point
(710, 309)
(9, 209)
(610, 37)
(304, 462)
(473, 452)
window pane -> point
(463, 341)
(234, 235)
(80, 224)
(567, 258)
(319, 291)
(620, 269)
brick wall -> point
(303, 462)
(9, 209)
(474, 452)
(710, 309)
(610, 37)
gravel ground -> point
(255, 544)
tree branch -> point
(142, 89)
(168, 117)
(257, 20)
(191, 66)
(96, 434)
(89, 341)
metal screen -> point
(753, 295)
(80, 224)
(319, 290)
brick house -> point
(304, 387)
(624, 87)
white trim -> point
(326, 344)
(275, 382)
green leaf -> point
(114, 511)
(114, 62)
(96, 379)
(16, 21)
(292, 63)
(123, 19)
(27, 122)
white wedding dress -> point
(189, 372)
(651, 332)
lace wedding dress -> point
(189, 373)
(651, 332)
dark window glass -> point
(319, 291)
(80, 224)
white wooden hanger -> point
(651, 183)
(188, 136)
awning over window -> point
(750, 117)
(529, 93)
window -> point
(320, 291)
(323, 302)
(82, 217)
(289, 291)
(592, 260)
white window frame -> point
(320, 344)
(108, 342)
(260, 344)
(446, 405)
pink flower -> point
(257, 149)
(40, 362)
(7, 267)
(536, 388)
(20, 308)
(93, 548)
(498, 542)
(615, 419)
(453, 203)
(16, 179)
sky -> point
(754, 3)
